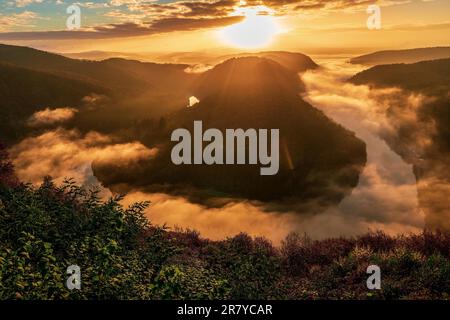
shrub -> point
(45, 229)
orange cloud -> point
(68, 154)
(51, 116)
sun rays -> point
(257, 30)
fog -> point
(385, 198)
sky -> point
(328, 26)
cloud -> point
(388, 190)
(218, 223)
(94, 101)
(198, 9)
(215, 223)
(198, 68)
(15, 20)
(139, 17)
(403, 27)
(281, 7)
(24, 3)
(92, 5)
(292, 7)
(128, 29)
(385, 198)
(49, 116)
(118, 3)
(69, 154)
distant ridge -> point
(294, 61)
(114, 73)
(431, 77)
(402, 56)
(98, 55)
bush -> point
(189, 283)
(45, 229)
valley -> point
(318, 177)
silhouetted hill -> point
(426, 76)
(133, 90)
(117, 74)
(29, 57)
(421, 129)
(320, 161)
(24, 91)
(296, 62)
(104, 55)
(402, 56)
(161, 77)
(247, 75)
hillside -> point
(129, 90)
(256, 93)
(421, 134)
(247, 75)
(111, 73)
(122, 256)
(296, 62)
(402, 56)
(431, 77)
(135, 93)
(104, 55)
(24, 91)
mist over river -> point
(384, 199)
(387, 190)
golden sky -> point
(328, 26)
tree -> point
(7, 176)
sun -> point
(257, 30)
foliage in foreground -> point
(122, 256)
